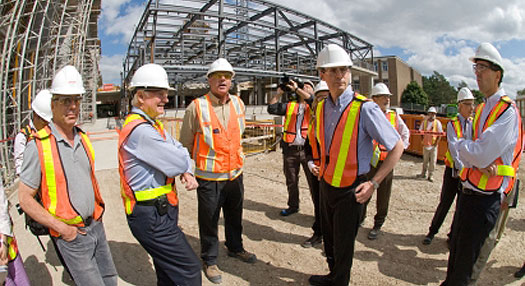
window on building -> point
(355, 86)
(375, 66)
(385, 66)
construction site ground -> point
(397, 257)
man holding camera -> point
(297, 117)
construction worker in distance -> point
(346, 124)
(149, 161)
(381, 96)
(59, 165)
(41, 107)
(458, 127)
(490, 163)
(297, 115)
(212, 130)
(430, 143)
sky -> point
(428, 35)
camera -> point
(285, 80)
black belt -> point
(470, 192)
(88, 221)
(160, 202)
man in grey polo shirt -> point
(59, 166)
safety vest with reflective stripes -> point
(129, 196)
(290, 122)
(341, 169)
(12, 250)
(427, 139)
(27, 131)
(380, 151)
(217, 151)
(54, 189)
(313, 143)
(456, 124)
(474, 176)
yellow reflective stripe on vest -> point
(459, 134)
(375, 156)
(127, 200)
(11, 252)
(503, 170)
(88, 144)
(493, 115)
(289, 113)
(132, 117)
(345, 142)
(238, 109)
(153, 193)
(206, 121)
(476, 119)
(50, 174)
(75, 220)
(449, 158)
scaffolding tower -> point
(37, 38)
(260, 39)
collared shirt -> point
(452, 138)
(148, 159)
(279, 108)
(496, 141)
(403, 131)
(373, 125)
(190, 124)
(77, 171)
(19, 147)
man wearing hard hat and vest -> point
(381, 96)
(490, 164)
(149, 161)
(346, 125)
(42, 114)
(430, 143)
(458, 127)
(212, 130)
(59, 165)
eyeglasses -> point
(67, 100)
(157, 92)
(335, 70)
(219, 75)
(480, 67)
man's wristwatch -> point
(374, 183)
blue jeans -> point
(88, 257)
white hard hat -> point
(67, 81)
(464, 94)
(432, 109)
(321, 86)
(41, 105)
(150, 75)
(488, 52)
(333, 56)
(381, 89)
(220, 64)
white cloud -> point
(110, 67)
(119, 17)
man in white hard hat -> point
(459, 127)
(41, 107)
(430, 143)
(381, 96)
(59, 165)
(490, 159)
(149, 162)
(346, 124)
(212, 130)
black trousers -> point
(340, 216)
(475, 217)
(174, 260)
(450, 188)
(383, 196)
(212, 197)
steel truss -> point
(37, 38)
(259, 38)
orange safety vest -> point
(12, 250)
(427, 139)
(313, 143)
(218, 151)
(130, 196)
(341, 170)
(53, 189)
(484, 183)
(290, 122)
(28, 132)
(380, 151)
(456, 124)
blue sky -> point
(428, 35)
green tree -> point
(477, 95)
(521, 92)
(438, 89)
(413, 93)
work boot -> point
(244, 256)
(419, 176)
(213, 273)
(428, 239)
(430, 179)
(520, 273)
(320, 280)
(374, 232)
(312, 241)
(288, 211)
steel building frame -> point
(37, 38)
(259, 38)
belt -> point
(88, 221)
(470, 192)
(296, 147)
(152, 202)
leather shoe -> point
(520, 273)
(312, 241)
(244, 256)
(428, 239)
(287, 212)
(374, 232)
(320, 280)
(213, 273)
